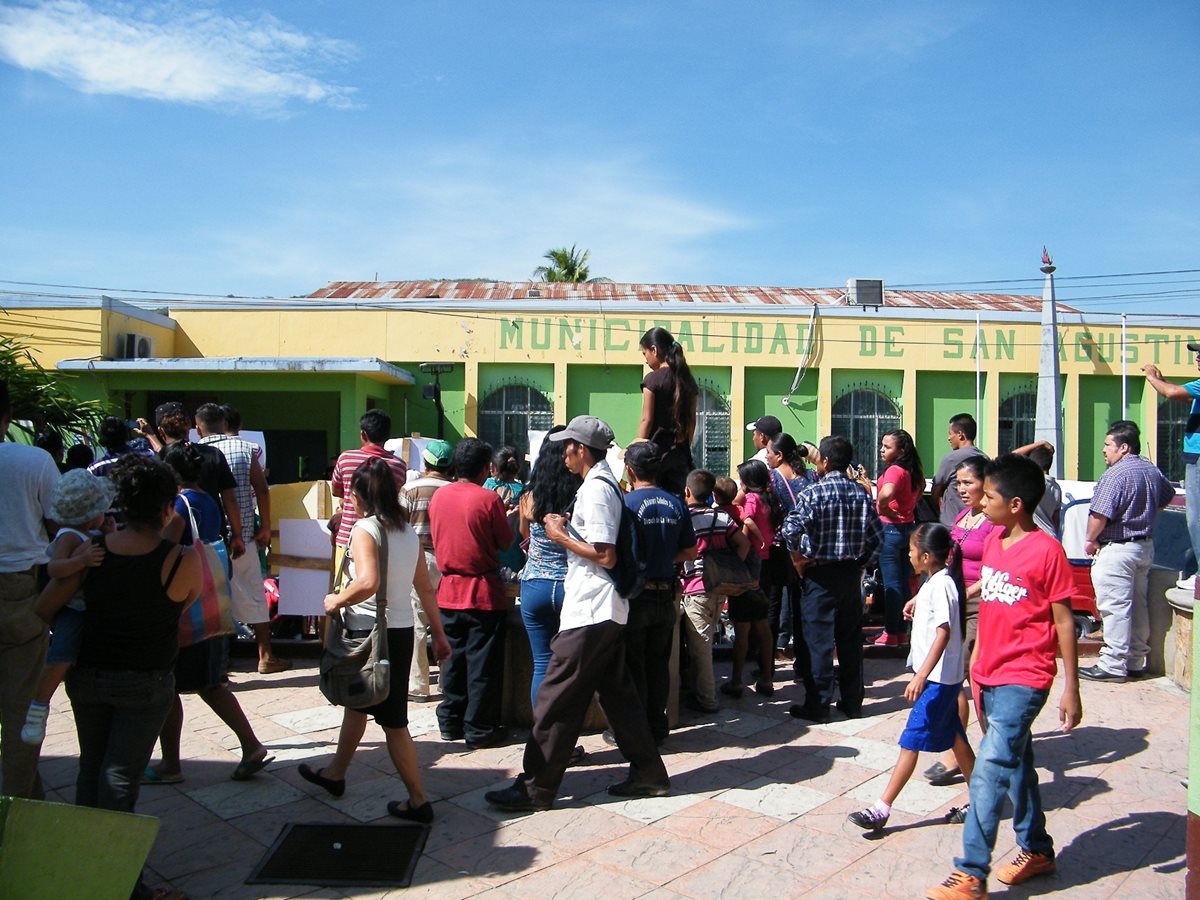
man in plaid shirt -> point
(831, 532)
(1124, 505)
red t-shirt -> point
(469, 530)
(343, 471)
(899, 510)
(1017, 641)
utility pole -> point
(1048, 423)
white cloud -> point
(178, 54)
(468, 214)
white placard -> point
(304, 537)
(302, 591)
(536, 439)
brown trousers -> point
(586, 661)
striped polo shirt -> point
(343, 471)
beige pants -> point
(23, 640)
(418, 672)
(701, 613)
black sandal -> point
(422, 814)
(337, 788)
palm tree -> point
(567, 265)
(43, 397)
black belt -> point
(660, 586)
(358, 632)
(1132, 540)
(833, 562)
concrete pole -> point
(1048, 423)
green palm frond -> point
(43, 397)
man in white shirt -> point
(28, 479)
(764, 430)
(589, 654)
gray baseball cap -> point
(587, 430)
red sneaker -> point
(1026, 865)
(886, 640)
(959, 886)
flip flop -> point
(247, 769)
(152, 777)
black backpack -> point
(628, 574)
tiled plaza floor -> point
(758, 805)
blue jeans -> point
(118, 715)
(1004, 767)
(896, 570)
(541, 602)
(1191, 484)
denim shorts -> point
(67, 635)
(933, 723)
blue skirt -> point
(933, 723)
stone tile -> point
(452, 823)
(646, 810)
(863, 752)
(309, 719)
(847, 727)
(301, 748)
(231, 799)
(653, 854)
(823, 773)
(265, 825)
(366, 799)
(730, 875)
(578, 879)
(771, 798)
(574, 829)
(433, 879)
(799, 848)
(721, 824)
(498, 857)
(885, 874)
(918, 796)
(745, 724)
(199, 850)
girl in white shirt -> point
(937, 661)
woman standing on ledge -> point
(669, 395)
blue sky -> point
(267, 148)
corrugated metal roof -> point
(675, 293)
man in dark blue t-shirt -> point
(654, 613)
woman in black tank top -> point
(121, 687)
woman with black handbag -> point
(377, 570)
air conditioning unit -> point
(865, 292)
(135, 346)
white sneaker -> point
(34, 730)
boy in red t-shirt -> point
(1024, 622)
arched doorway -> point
(509, 413)
(865, 416)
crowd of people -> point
(972, 580)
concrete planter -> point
(1179, 651)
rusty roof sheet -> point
(672, 293)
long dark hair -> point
(934, 538)
(785, 445)
(909, 459)
(551, 484)
(756, 479)
(683, 409)
(375, 485)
